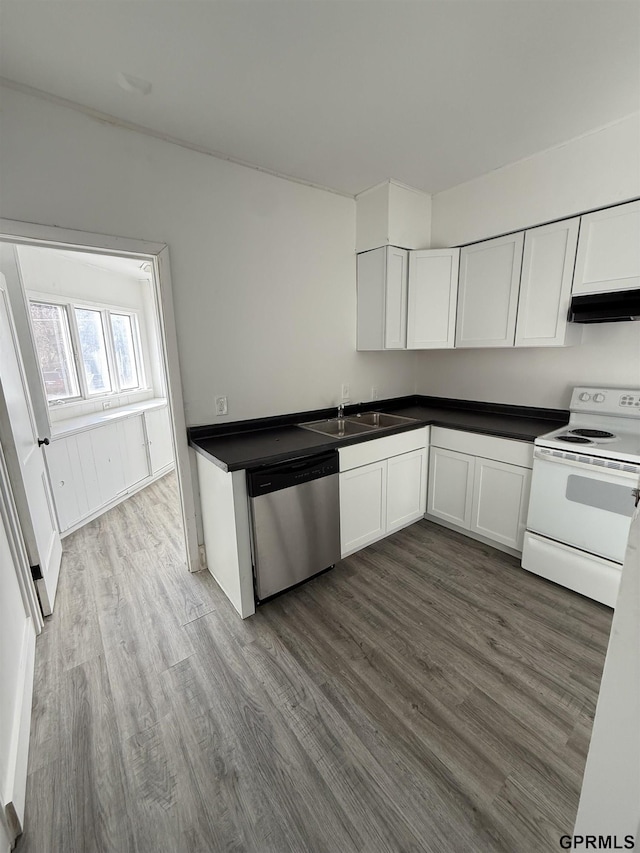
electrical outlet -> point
(221, 406)
(106, 404)
(346, 391)
(374, 393)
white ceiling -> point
(341, 93)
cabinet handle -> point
(42, 441)
(636, 495)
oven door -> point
(583, 505)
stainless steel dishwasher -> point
(295, 520)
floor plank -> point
(425, 695)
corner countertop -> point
(60, 429)
(250, 444)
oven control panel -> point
(607, 401)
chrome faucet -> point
(340, 411)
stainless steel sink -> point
(381, 420)
(338, 427)
(356, 424)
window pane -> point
(53, 343)
(122, 327)
(93, 350)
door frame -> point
(157, 254)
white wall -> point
(592, 171)
(263, 269)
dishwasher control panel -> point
(294, 472)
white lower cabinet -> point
(500, 501)
(383, 485)
(363, 499)
(158, 427)
(406, 489)
(486, 496)
(451, 486)
(91, 470)
(65, 475)
(132, 441)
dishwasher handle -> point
(273, 478)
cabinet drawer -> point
(382, 448)
(487, 446)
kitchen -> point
(264, 268)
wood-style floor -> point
(425, 695)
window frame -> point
(105, 310)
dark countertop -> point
(249, 444)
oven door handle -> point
(586, 466)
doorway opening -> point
(93, 318)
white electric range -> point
(584, 489)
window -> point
(125, 351)
(53, 343)
(93, 350)
(86, 351)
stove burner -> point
(593, 433)
(574, 439)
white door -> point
(545, 286)
(395, 312)
(26, 463)
(17, 645)
(609, 250)
(488, 292)
(159, 437)
(433, 292)
(406, 489)
(500, 501)
(451, 486)
(363, 506)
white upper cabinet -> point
(545, 286)
(488, 292)
(433, 291)
(609, 250)
(382, 299)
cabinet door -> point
(545, 285)
(433, 293)
(406, 489)
(395, 316)
(450, 486)
(159, 438)
(382, 299)
(609, 250)
(371, 282)
(133, 448)
(66, 481)
(107, 455)
(488, 292)
(500, 501)
(362, 506)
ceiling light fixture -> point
(135, 85)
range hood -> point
(605, 307)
